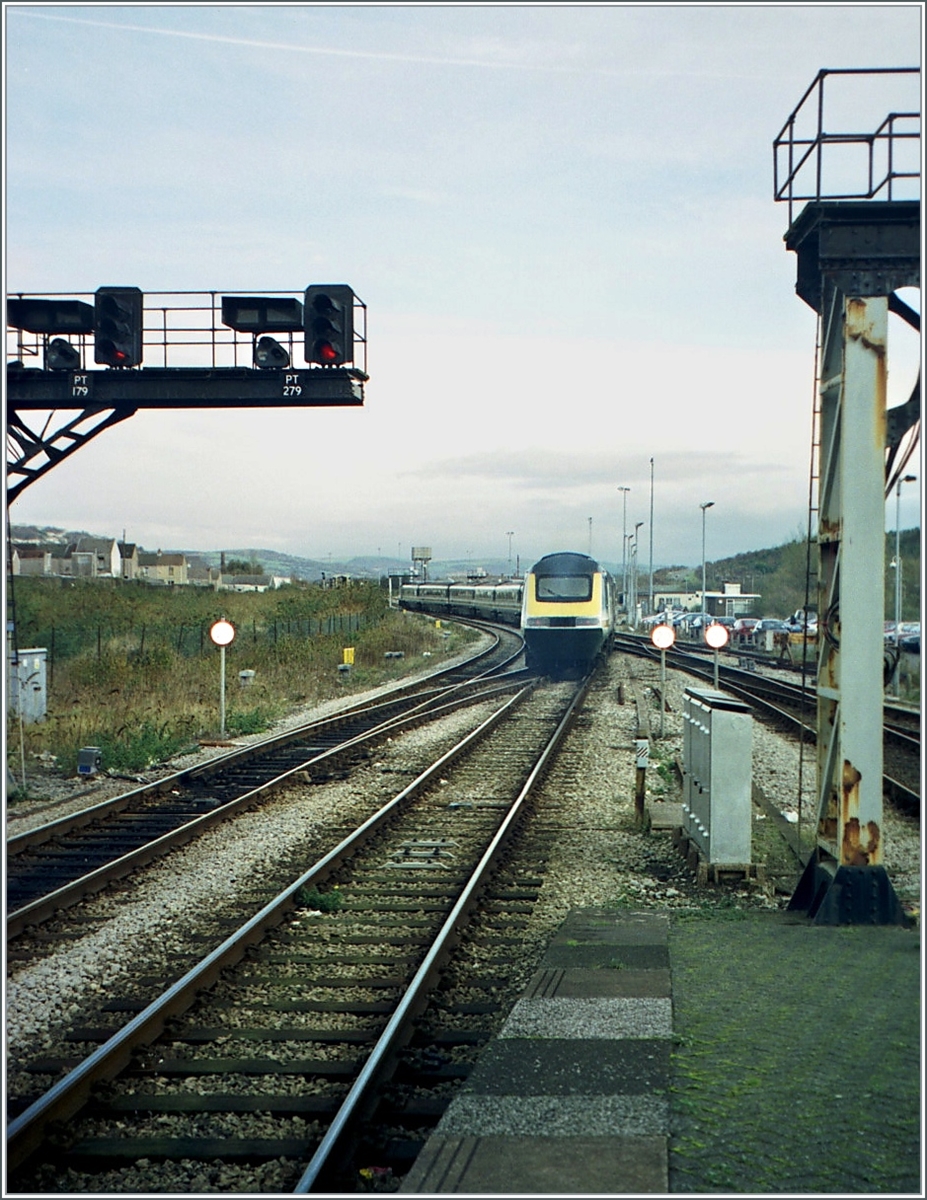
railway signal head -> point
(329, 317)
(62, 356)
(50, 316)
(716, 636)
(262, 314)
(117, 326)
(269, 353)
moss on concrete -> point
(796, 1066)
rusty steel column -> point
(851, 579)
(851, 258)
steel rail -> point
(42, 908)
(69, 1095)
(413, 999)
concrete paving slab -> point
(591, 981)
(590, 1017)
(602, 954)
(565, 1066)
(556, 1116)
(614, 928)
(569, 1166)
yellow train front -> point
(567, 614)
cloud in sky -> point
(560, 218)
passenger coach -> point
(492, 602)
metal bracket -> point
(25, 444)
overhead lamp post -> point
(634, 572)
(222, 633)
(903, 479)
(704, 507)
(624, 543)
(651, 536)
(510, 534)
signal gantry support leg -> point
(849, 284)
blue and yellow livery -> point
(568, 612)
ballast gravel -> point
(601, 857)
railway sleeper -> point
(99, 1154)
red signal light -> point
(326, 351)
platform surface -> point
(719, 1051)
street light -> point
(903, 479)
(222, 633)
(510, 534)
(633, 573)
(624, 544)
(708, 504)
(651, 536)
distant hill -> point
(776, 573)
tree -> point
(238, 566)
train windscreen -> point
(563, 588)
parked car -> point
(744, 626)
(772, 623)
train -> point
(565, 608)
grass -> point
(143, 704)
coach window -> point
(564, 587)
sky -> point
(561, 221)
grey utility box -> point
(89, 760)
(28, 687)
(717, 752)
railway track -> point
(270, 1052)
(56, 865)
(794, 706)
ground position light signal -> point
(117, 326)
(329, 314)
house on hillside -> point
(201, 575)
(245, 583)
(129, 553)
(168, 570)
(94, 558)
(31, 560)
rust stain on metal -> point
(859, 326)
(854, 852)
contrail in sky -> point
(322, 50)
(380, 55)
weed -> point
(326, 902)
